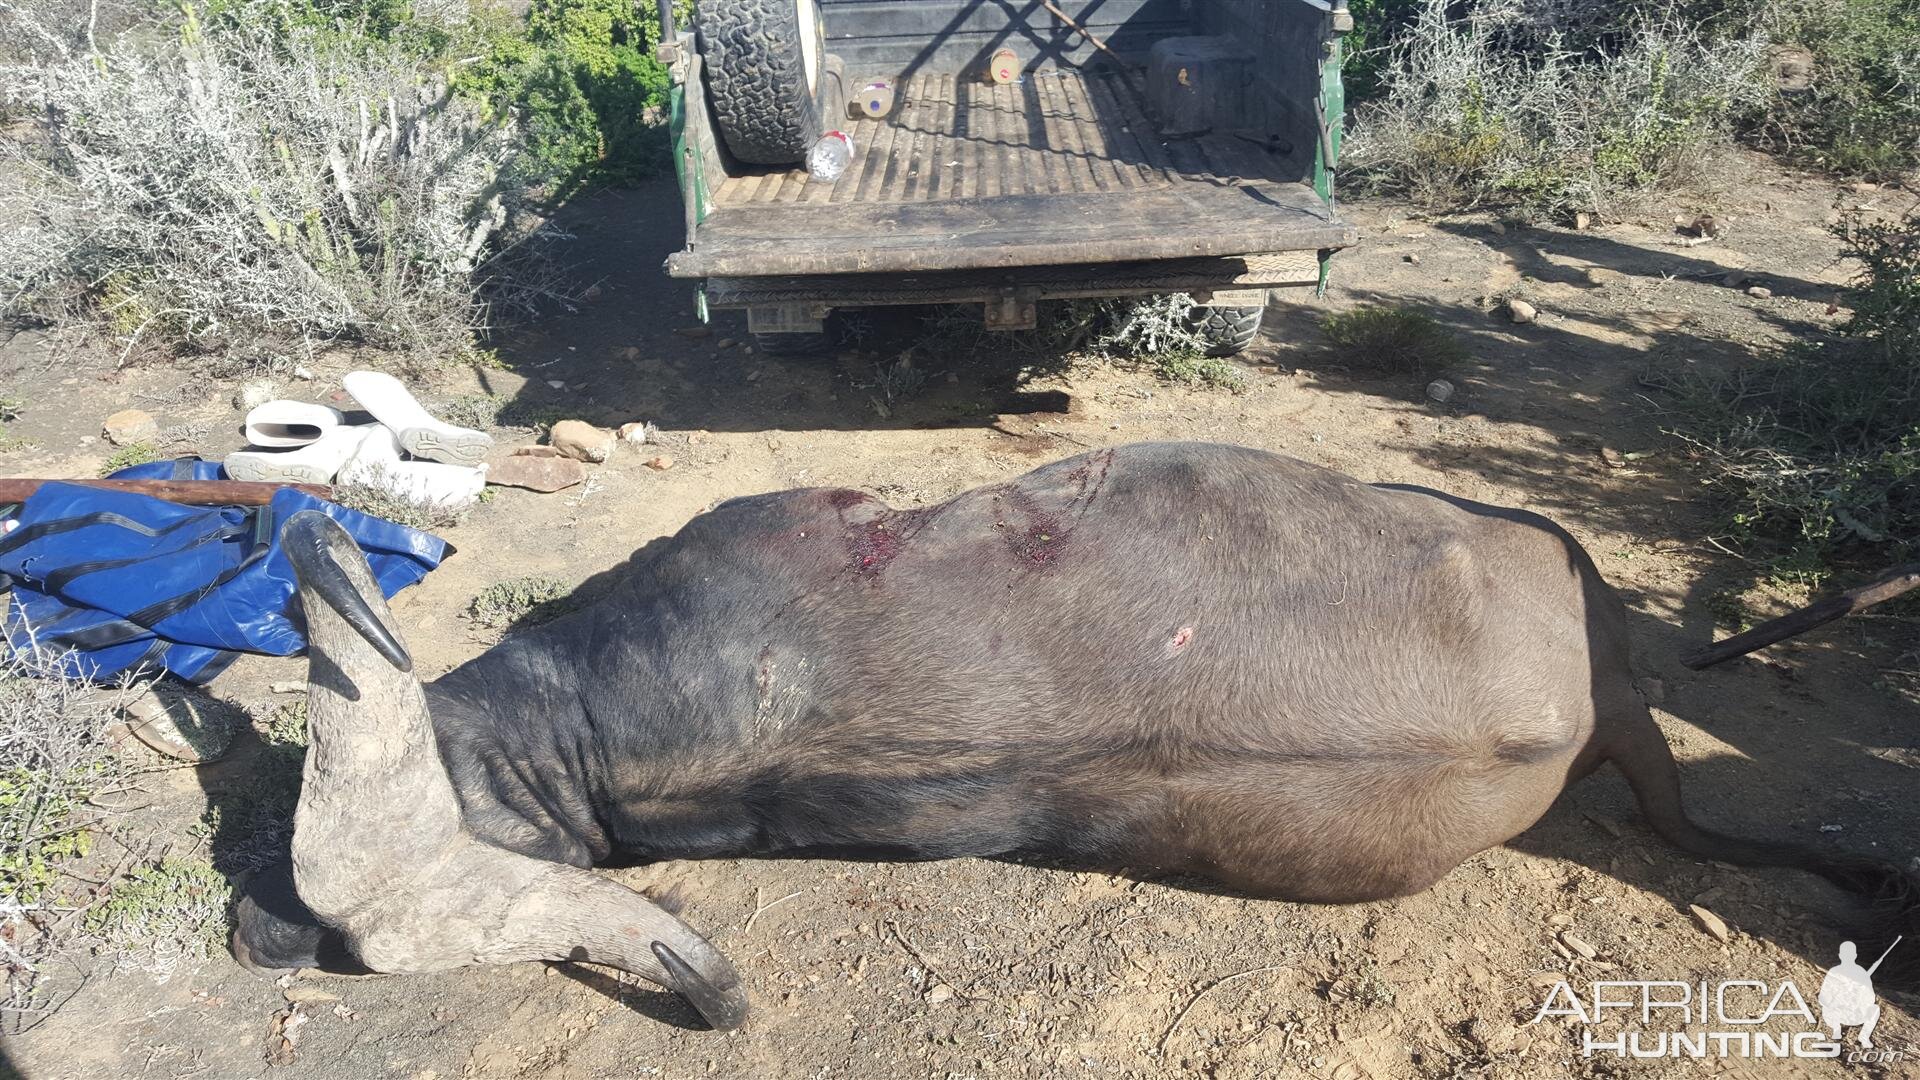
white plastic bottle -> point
(829, 158)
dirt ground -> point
(980, 968)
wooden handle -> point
(191, 492)
(1899, 580)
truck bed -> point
(1061, 168)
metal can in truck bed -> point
(1148, 146)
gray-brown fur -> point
(1183, 657)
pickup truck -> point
(1032, 151)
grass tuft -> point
(381, 503)
(1189, 367)
(162, 914)
(1400, 341)
(128, 456)
(521, 601)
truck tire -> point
(764, 60)
(1226, 331)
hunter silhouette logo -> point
(1846, 995)
(1730, 1018)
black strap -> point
(58, 580)
(211, 670)
(26, 534)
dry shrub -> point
(55, 766)
(206, 184)
(1479, 111)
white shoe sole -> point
(260, 469)
(451, 445)
(316, 463)
(421, 433)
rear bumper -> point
(1199, 277)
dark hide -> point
(1191, 658)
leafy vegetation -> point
(1816, 453)
(521, 601)
(57, 768)
(1189, 367)
(128, 456)
(163, 913)
(583, 82)
(375, 171)
(1478, 111)
(382, 501)
(1393, 339)
(1556, 105)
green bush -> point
(1861, 116)
(1398, 340)
(1482, 110)
(522, 601)
(582, 80)
(1816, 454)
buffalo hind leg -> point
(1633, 742)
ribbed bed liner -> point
(1056, 132)
(1061, 168)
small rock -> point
(594, 292)
(1582, 221)
(536, 473)
(1603, 275)
(1711, 923)
(634, 434)
(1612, 458)
(660, 464)
(1734, 279)
(89, 440)
(1586, 951)
(1440, 390)
(308, 995)
(953, 378)
(754, 375)
(557, 384)
(182, 725)
(1705, 226)
(535, 451)
(581, 440)
(631, 352)
(940, 994)
(1498, 229)
(303, 372)
(288, 686)
(724, 343)
(130, 426)
(1560, 919)
(694, 331)
(254, 393)
(1654, 690)
(1410, 258)
(1760, 292)
(1522, 312)
(1862, 187)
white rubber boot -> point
(377, 464)
(420, 434)
(315, 463)
(290, 423)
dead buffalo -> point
(1194, 658)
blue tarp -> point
(130, 583)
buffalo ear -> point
(274, 931)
